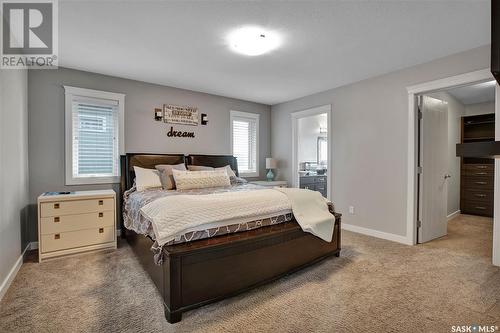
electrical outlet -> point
(351, 210)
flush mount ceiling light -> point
(253, 40)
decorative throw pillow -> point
(187, 180)
(166, 176)
(199, 168)
(146, 178)
(230, 171)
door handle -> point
(447, 176)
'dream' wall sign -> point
(183, 115)
(179, 134)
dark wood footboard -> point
(200, 272)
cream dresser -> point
(76, 222)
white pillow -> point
(187, 180)
(146, 178)
(228, 169)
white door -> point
(434, 167)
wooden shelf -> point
(479, 149)
(480, 138)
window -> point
(94, 136)
(245, 142)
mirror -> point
(322, 150)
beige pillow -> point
(187, 180)
(229, 171)
(146, 178)
(166, 177)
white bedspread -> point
(178, 214)
(311, 212)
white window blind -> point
(244, 135)
(95, 138)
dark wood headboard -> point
(147, 161)
(215, 161)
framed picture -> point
(184, 115)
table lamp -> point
(271, 164)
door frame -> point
(295, 116)
(432, 86)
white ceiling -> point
(326, 44)
(477, 93)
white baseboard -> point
(376, 233)
(452, 215)
(12, 273)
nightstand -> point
(76, 222)
(274, 183)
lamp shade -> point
(271, 163)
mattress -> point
(134, 220)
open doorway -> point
(311, 141)
(456, 193)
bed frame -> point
(208, 270)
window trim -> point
(253, 116)
(69, 93)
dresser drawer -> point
(477, 182)
(477, 208)
(321, 179)
(321, 187)
(307, 180)
(64, 223)
(479, 173)
(485, 195)
(479, 167)
(71, 207)
(73, 239)
(309, 186)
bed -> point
(197, 272)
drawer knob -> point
(101, 202)
(101, 230)
(57, 219)
(481, 167)
(481, 183)
(56, 206)
(480, 195)
(101, 214)
(481, 173)
(57, 236)
(480, 207)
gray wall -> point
(480, 108)
(142, 133)
(13, 166)
(455, 112)
(370, 139)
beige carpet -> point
(375, 286)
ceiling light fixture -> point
(253, 40)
